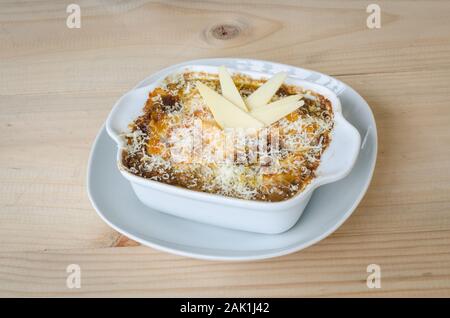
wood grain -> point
(58, 84)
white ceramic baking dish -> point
(254, 216)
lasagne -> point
(178, 141)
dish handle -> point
(340, 157)
(125, 111)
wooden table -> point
(57, 86)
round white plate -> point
(116, 203)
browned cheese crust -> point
(169, 116)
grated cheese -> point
(194, 152)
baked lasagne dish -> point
(186, 137)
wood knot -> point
(225, 31)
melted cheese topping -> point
(176, 141)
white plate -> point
(255, 216)
(330, 206)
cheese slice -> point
(229, 90)
(273, 112)
(265, 92)
(226, 114)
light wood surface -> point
(57, 86)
